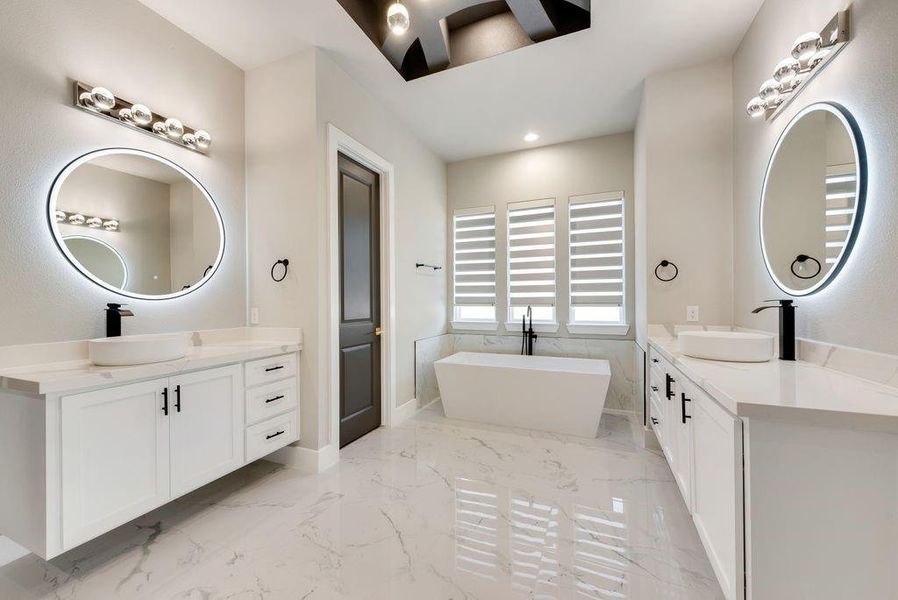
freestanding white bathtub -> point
(563, 395)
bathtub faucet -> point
(527, 334)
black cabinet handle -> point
(654, 421)
(178, 398)
(655, 360)
(273, 399)
(683, 409)
(669, 382)
(165, 401)
(654, 388)
(268, 437)
(269, 369)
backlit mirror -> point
(813, 200)
(136, 223)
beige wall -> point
(133, 51)
(603, 164)
(287, 195)
(857, 309)
(685, 173)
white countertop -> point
(788, 390)
(210, 349)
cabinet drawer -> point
(656, 380)
(269, 400)
(267, 436)
(266, 370)
(656, 413)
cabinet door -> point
(681, 425)
(206, 426)
(717, 491)
(115, 458)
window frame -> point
(466, 323)
(540, 325)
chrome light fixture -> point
(101, 102)
(397, 18)
(809, 54)
(81, 219)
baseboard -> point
(620, 412)
(404, 412)
(306, 460)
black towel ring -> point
(801, 259)
(284, 262)
(666, 263)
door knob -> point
(378, 331)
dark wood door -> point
(359, 198)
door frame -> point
(339, 142)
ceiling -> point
(576, 86)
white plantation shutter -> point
(474, 233)
(531, 253)
(841, 203)
(597, 249)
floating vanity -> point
(85, 449)
(790, 472)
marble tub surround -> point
(432, 509)
(65, 366)
(620, 353)
(428, 351)
(789, 390)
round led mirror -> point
(136, 223)
(813, 199)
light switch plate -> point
(692, 314)
(254, 316)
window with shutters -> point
(474, 265)
(596, 245)
(531, 260)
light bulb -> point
(174, 128)
(94, 222)
(102, 99)
(806, 46)
(787, 70)
(125, 114)
(86, 100)
(756, 107)
(110, 225)
(189, 139)
(397, 18)
(159, 128)
(141, 114)
(61, 216)
(203, 139)
(76, 219)
(770, 90)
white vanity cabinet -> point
(78, 464)
(702, 444)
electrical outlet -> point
(692, 314)
(254, 316)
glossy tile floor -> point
(434, 509)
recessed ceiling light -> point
(531, 137)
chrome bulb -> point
(770, 90)
(174, 128)
(94, 222)
(756, 107)
(110, 225)
(141, 114)
(189, 139)
(102, 99)
(61, 216)
(76, 219)
(806, 46)
(159, 128)
(787, 70)
(203, 139)
(125, 114)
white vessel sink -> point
(137, 349)
(734, 346)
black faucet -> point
(114, 314)
(787, 326)
(527, 335)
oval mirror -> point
(813, 199)
(136, 223)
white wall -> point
(857, 309)
(603, 164)
(685, 175)
(289, 105)
(131, 50)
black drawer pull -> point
(654, 388)
(178, 398)
(683, 409)
(165, 402)
(655, 360)
(268, 437)
(654, 421)
(669, 391)
(269, 369)
(273, 399)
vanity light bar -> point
(810, 53)
(101, 102)
(87, 221)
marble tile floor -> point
(433, 509)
